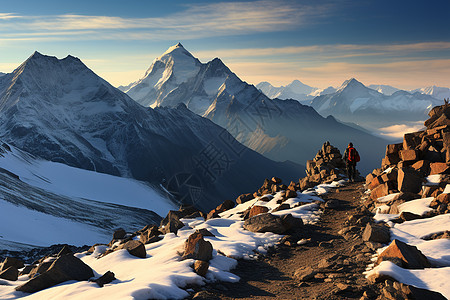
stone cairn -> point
(407, 165)
(327, 166)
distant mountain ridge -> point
(279, 129)
(354, 102)
(383, 89)
(72, 116)
(437, 92)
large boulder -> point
(196, 247)
(171, 223)
(64, 268)
(406, 256)
(11, 273)
(376, 233)
(265, 223)
(409, 180)
(11, 261)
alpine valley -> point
(279, 129)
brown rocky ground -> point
(331, 265)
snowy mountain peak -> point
(39, 61)
(351, 83)
(177, 51)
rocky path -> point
(329, 266)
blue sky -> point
(321, 43)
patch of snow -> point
(418, 206)
(435, 279)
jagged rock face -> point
(72, 116)
(279, 129)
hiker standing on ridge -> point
(351, 157)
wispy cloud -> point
(8, 16)
(329, 51)
(398, 131)
(195, 21)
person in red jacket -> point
(351, 157)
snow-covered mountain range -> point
(294, 90)
(74, 117)
(301, 92)
(435, 91)
(279, 129)
(383, 89)
(354, 102)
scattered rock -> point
(305, 273)
(290, 194)
(106, 278)
(276, 180)
(226, 205)
(119, 234)
(150, 235)
(290, 222)
(282, 206)
(201, 267)
(244, 198)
